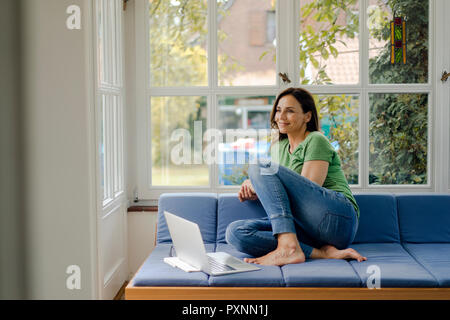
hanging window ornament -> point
(398, 40)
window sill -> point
(141, 208)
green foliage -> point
(399, 122)
(178, 57)
(178, 35)
(317, 41)
(416, 68)
(168, 114)
(342, 113)
(317, 45)
(398, 138)
(238, 175)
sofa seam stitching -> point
(398, 217)
(282, 277)
(419, 263)
(356, 272)
(404, 248)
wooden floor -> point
(121, 294)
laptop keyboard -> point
(217, 266)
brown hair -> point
(307, 103)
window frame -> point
(287, 61)
(110, 97)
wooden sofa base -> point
(271, 293)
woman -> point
(311, 210)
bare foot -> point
(330, 252)
(279, 257)
(288, 251)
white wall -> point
(59, 150)
(130, 103)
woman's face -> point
(289, 116)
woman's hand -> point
(247, 192)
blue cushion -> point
(378, 218)
(321, 273)
(155, 272)
(268, 276)
(421, 218)
(230, 209)
(435, 257)
(424, 218)
(197, 207)
(378, 221)
(397, 267)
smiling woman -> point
(311, 210)
(288, 101)
(310, 154)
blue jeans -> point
(293, 203)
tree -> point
(322, 28)
(399, 122)
(178, 57)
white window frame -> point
(110, 94)
(111, 227)
(287, 61)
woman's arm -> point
(315, 170)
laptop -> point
(190, 249)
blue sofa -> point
(407, 236)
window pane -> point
(339, 116)
(237, 148)
(380, 15)
(398, 138)
(339, 120)
(246, 42)
(258, 119)
(177, 124)
(102, 143)
(178, 42)
(329, 42)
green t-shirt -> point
(317, 147)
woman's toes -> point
(253, 260)
(355, 255)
